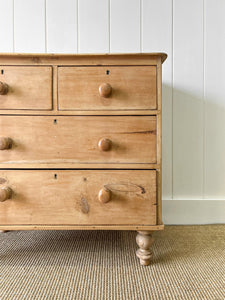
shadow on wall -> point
(193, 144)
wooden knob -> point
(104, 195)
(3, 88)
(5, 143)
(105, 90)
(5, 193)
(104, 144)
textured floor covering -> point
(189, 263)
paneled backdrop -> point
(192, 33)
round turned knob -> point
(104, 195)
(105, 90)
(3, 88)
(5, 193)
(5, 143)
(104, 144)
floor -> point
(189, 263)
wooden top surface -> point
(53, 56)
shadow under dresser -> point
(80, 143)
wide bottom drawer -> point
(77, 197)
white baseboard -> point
(190, 212)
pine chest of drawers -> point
(80, 143)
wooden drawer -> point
(49, 139)
(88, 88)
(28, 87)
(73, 197)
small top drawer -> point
(107, 88)
(25, 87)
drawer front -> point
(82, 197)
(107, 88)
(86, 139)
(27, 87)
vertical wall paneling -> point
(157, 36)
(125, 26)
(93, 26)
(6, 25)
(189, 212)
(191, 32)
(29, 26)
(61, 26)
(188, 99)
(214, 99)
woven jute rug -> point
(189, 263)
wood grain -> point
(55, 112)
(122, 59)
(71, 197)
(5, 143)
(159, 144)
(71, 164)
(144, 240)
(98, 118)
(82, 227)
(5, 193)
(75, 139)
(132, 88)
(3, 88)
(28, 87)
(105, 195)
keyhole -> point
(107, 72)
(55, 176)
(55, 121)
(2, 72)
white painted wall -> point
(192, 32)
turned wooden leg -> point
(144, 240)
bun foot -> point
(144, 240)
(2, 231)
